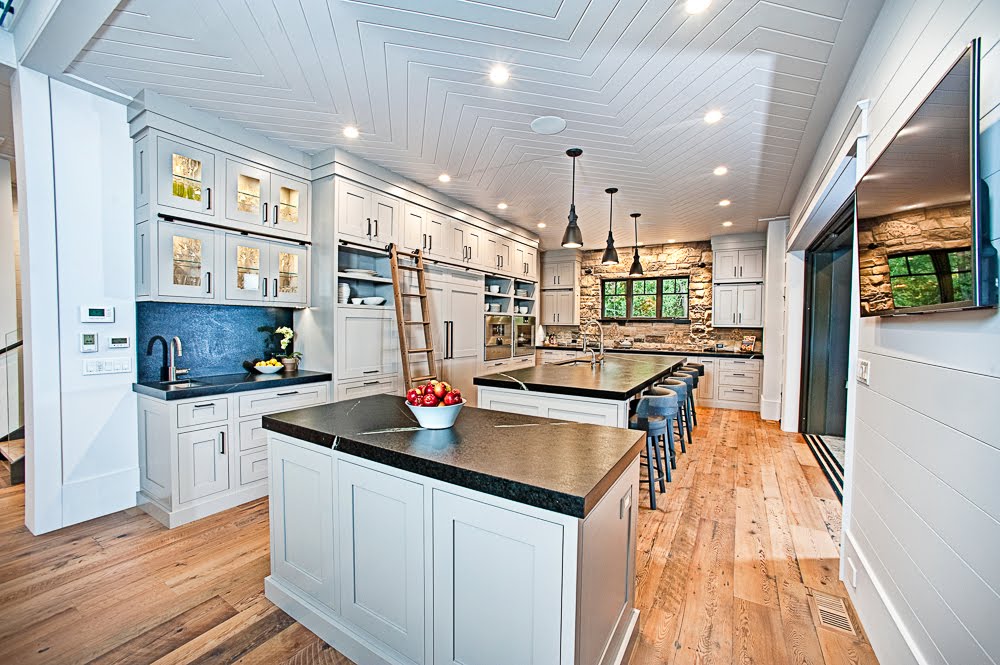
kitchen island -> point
(505, 539)
(576, 391)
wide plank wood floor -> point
(726, 566)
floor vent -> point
(832, 613)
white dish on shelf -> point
(357, 301)
(373, 300)
(495, 307)
(361, 271)
(494, 288)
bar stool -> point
(698, 366)
(670, 410)
(691, 369)
(689, 379)
(683, 418)
(647, 418)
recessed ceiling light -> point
(713, 117)
(351, 132)
(720, 170)
(671, 240)
(502, 206)
(727, 223)
(724, 202)
(444, 177)
(541, 225)
(696, 6)
(548, 124)
(499, 75)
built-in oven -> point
(498, 337)
(524, 335)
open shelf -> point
(361, 277)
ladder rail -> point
(405, 351)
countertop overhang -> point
(565, 467)
(228, 383)
(704, 353)
(620, 378)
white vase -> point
(344, 293)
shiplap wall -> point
(924, 522)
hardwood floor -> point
(726, 567)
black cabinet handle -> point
(265, 287)
(369, 234)
(222, 443)
(275, 214)
(430, 243)
(288, 394)
(370, 371)
(376, 228)
(264, 208)
(203, 406)
(423, 244)
(275, 294)
(208, 279)
(208, 198)
(371, 383)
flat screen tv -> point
(922, 208)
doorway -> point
(829, 265)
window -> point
(648, 299)
(930, 278)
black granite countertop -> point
(620, 378)
(565, 467)
(706, 353)
(204, 386)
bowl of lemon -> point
(269, 366)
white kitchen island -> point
(505, 539)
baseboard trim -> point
(770, 409)
(172, 519)
(884, 607)
(98, 496)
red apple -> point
(412, 394)
(429, 389)
(447, 386)
(457, 393)
(440, 390)
(451, 400)
(430, 400)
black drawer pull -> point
(371, 383)
(203, 406)
(370, 371)
(294, 392)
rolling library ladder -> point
(413, 262)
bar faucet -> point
(169, 371)
(594, 358)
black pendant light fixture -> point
(572, 238)
(636, 268)
(610, 253)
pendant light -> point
(610, 253)
(572, 238)
(636, 268)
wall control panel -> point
(107, 366)
(119, 342)
(88, 342)
(97, 314)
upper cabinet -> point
(425, 230)
(265, 201)
(525, 262)
(289, 205)
(265, 271)
(733, 265)
(185, 179)
(186, 262)
(560, 273)
(738, 276)
(367, 216)
(499, 254)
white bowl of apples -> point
(435, 405)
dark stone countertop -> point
(620, 378)
(706, 353)
(565, 467)
(228, 383)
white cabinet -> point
(706, 383)
(185, 178)
(366, 215)
(381, 554)
(247, 194)
(737, 305)
(525, 262)
(302, 522)
(289, 202)
(559, 274)
(266, 271)
(465, 243)
(497, 584)
(202, 462)
(499, 251)
(425, 230)
(186, 262)
(738, 264)
(454, 298)
(559, 308)
(368, 345)
(730, 383)
(380, 386)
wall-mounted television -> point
(922, 208)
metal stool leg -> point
(652, 478)
(651, 440)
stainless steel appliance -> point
(524, 335)
(499, 340)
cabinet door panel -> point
(475, 238)
(497, 585)
(382, 556)
(248, 190)
(186, 261)
(202, 462)
(724, 306)
(355, 389)
(751, 264)
(751, 305)
(289, 204)
(289, 274)
(492, 257)
(353, 210)
(247, 268)
(726, 265)
(412, 237)
(436, 228)
(531, 257)
(464, 302)
(520, 266)
(707, 383)
(302, 520)
(185, 177)
(505, 251)
(386, 212)
(364, 351)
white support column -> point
(794, 307)
(774, 320)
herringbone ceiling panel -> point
(632, 78)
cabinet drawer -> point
(740, 379)
(253, 466)
(739, 365)
(293, 397)
(202, 412)
(354, 389)
(252, 435)
(732, 394)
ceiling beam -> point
(49, 34)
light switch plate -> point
(864, 371)
(107, 366)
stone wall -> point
(693, 260)
(941, 227)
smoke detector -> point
(548, 124)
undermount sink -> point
(177, 385)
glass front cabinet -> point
(185, 256)
(265, 271)
(185, 179)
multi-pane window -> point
(931, 278)
(649, 299)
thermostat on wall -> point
(97, 314)
(88, 342)
(118, 342)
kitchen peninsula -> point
(507, 535)
(598, 394)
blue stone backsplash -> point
(216, 338)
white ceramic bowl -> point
(356, 301)
(268, 369)
(373, 300)
(436, 417)
(494, 288)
